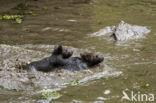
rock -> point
(123, 31)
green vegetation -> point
(73, 83)
(50, 95)
(14, 18)
(7, 89)
(45, 8)
(146, 85)
(3, 87)
(32, 13)
(21, 10)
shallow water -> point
(68, 22)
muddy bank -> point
(14, 78)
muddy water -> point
(57, 22)
(68, 23)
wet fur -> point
(61, 59)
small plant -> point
(146, 85)
(73, 83)
(15, 18)
(50, 95)
(3, 87)
(7, 89)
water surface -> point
(69, 22)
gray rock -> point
(123, 31)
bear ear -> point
(57, 50)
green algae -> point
(22, 9)
(146, 85)
(50, 95)
(73, 83)
(15, 18)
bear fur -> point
(61, 59)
